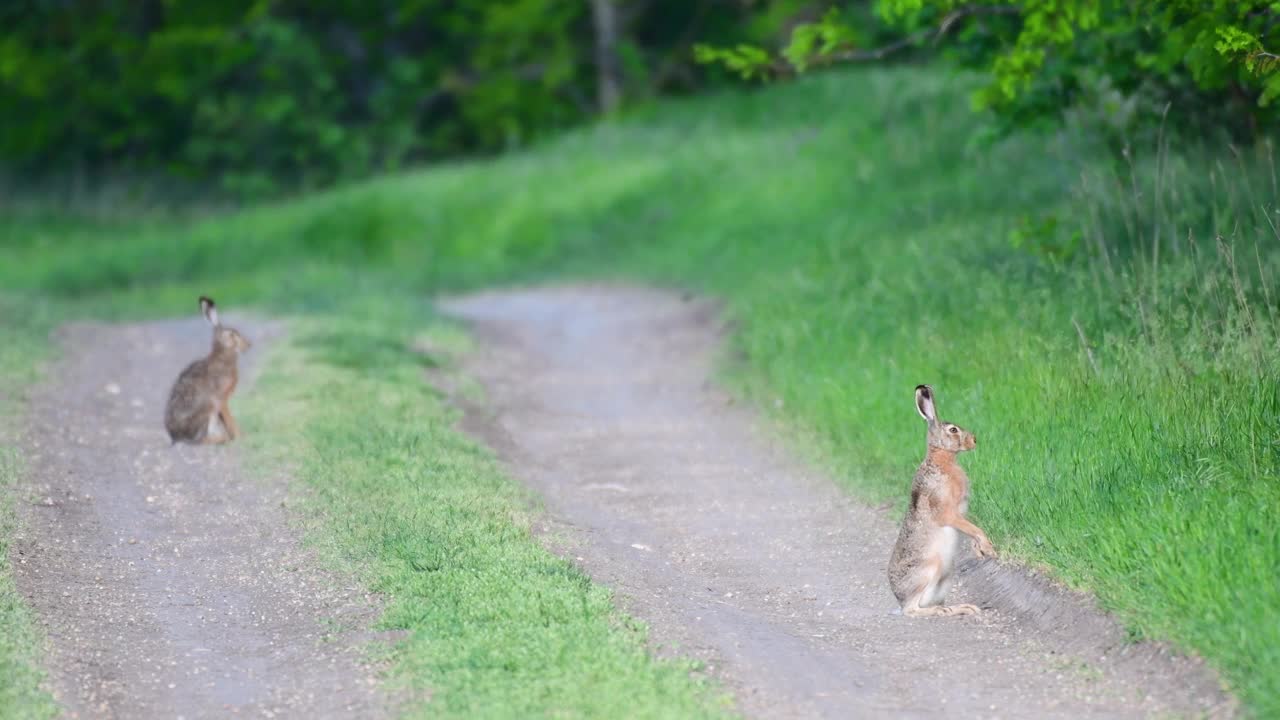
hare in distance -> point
(198, 411)
(920, 568)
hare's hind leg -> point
(926, 600)
(939, 591)
(926, 580)
(214, 431)
(939, 594)
(912, 608)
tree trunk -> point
(608, 68)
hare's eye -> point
(953, 430)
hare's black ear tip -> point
(206, 301)
(924, 390)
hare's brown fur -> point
(920, 569)
(199, 409)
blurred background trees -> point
(257, 94)
(1128, 62)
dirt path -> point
(740, 555)
(169, 583)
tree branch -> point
(855, 55)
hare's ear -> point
(209, 309)
(924, 403)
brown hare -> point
(198, 410)
(920, 568)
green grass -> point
(1070, 305)
(21, 692)
(497, 626)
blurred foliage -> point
(255, 92)
(1121, 63)
(264, 94)
(252, 91)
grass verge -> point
(22, 696)
(497, 627)
(21, 692)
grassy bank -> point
(1074, 306)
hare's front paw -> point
(984, 548)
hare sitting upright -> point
(198, 410)
(924, 556)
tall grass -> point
(1105, 323)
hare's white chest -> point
(945, 544)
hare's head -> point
(225, 339)
(942, 434)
